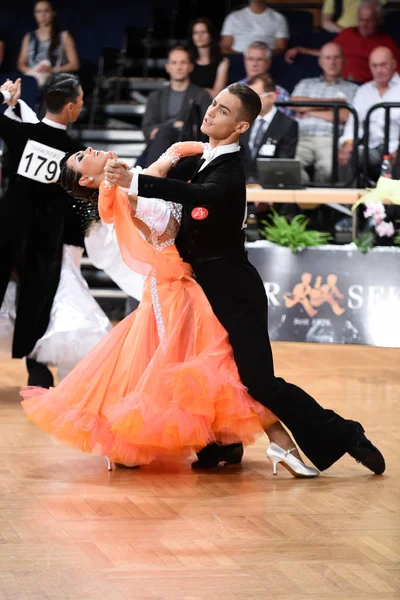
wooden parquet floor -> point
(69, 530)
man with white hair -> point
(257, 61)
(357, 43)
(340, 14)
(384, 87)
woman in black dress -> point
(210, 67)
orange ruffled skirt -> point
(162, 383)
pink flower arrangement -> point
(385, 228)
(377, 211)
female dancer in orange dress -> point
(164, 381)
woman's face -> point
(200, 35)
(44, 14)
(90, 163)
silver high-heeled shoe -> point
(277, 455)
(109, 464)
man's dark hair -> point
(60, 89)
(266, 80)
(250, 101)
(180, 49)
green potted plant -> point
(292, 234)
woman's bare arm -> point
(69, 48)
(22, 63)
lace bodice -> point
(167, 238)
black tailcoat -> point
(35, 221)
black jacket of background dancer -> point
(36, 220)
(211, 239)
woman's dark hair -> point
(55, 35)
(60, 89)
(215, 52)
(250, 101)
(69, 181)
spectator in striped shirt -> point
(257, 61)
(316, 124)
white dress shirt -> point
(54, 124)
(367, 96)
(210, 154)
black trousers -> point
(237, 296)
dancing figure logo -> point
(313, 297)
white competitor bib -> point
(40, 162)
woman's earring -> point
(91, 178)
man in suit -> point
(179, 105)
(258, 61)
(211, 239)
(272, 135)
(36, 215)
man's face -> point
(367, 21)
(223, 117)
(256, 62)
(267, 98)
(178, 66)
(382, 66)
(331, 60)
(76, 107)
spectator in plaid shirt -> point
(257, 61)
(316, 124)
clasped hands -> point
(14, 87)
(117, 171)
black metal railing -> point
(336, 107)
(386, 106)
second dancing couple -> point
(171, 377)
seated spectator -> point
(340, 14)
(172, 107)
(316, 124)
(210, 67)
(257, 61)
(47, 50)
(385, 87)
(357, 43)
(272, 135)
(254, 22)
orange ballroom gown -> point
(163, 382)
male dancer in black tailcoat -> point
(36, 215)
(211, 239)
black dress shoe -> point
(366, 453)
(39, 374)
(210, 456)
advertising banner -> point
(331, 294)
